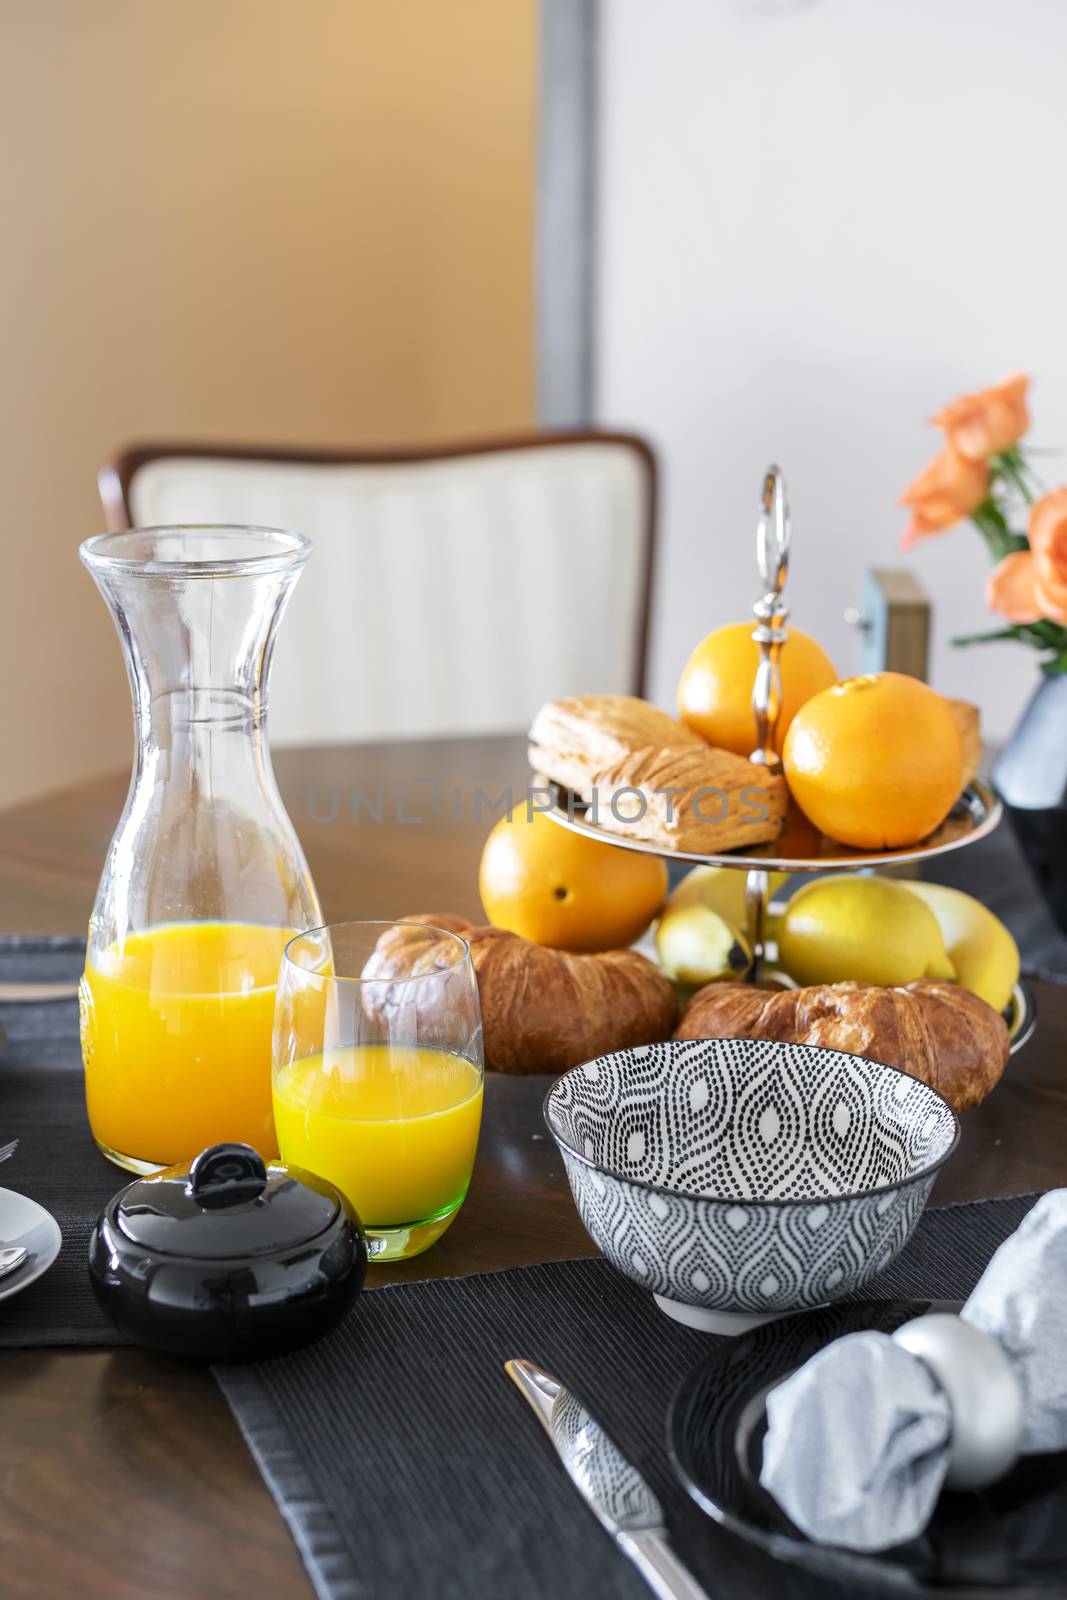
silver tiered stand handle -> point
(774, 533)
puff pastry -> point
(572, 740)
(968, 722)
(696, 799)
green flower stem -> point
(1038, 635)
(1010, 465)
(1034, 484)
(991, 524)
(985, 638)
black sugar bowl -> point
(227, 1258)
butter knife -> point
(611, 1486)
(30, 994)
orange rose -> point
(1032, 584)
(950, 488)
(977, 425)
(1048, 541)
(1009, 589)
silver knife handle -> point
(34, 993)
(657, 1563)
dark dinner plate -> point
(1007, 1540)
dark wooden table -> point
(124, 1474)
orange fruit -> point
(558, 888)
(875, 762)
(715, 690)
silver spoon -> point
(11, 1258)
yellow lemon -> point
(981, 949)
(871, 929)
(721, 889)
(696, 945)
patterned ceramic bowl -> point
(742, 1179)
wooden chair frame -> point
(117, 474)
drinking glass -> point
(378, 1073)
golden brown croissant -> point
(937, 1031)
(545, 1010)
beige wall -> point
(303, 220)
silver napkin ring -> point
(983, 1391)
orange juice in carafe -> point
(204, 881)
(176, 1037)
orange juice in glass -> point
(378, 1074)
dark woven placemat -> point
(42, 1102)
(404, 1462)
(409, 1468)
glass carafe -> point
(205, 880)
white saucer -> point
(24, 1222)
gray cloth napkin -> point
(858, 1441)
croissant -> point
(936, 1031)
(542, 1010)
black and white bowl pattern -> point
(742, 1179)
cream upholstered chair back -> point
(448, 592)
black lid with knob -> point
(227, 1258)
(226, 1203)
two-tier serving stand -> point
(801, 848)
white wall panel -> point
(819, 221)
